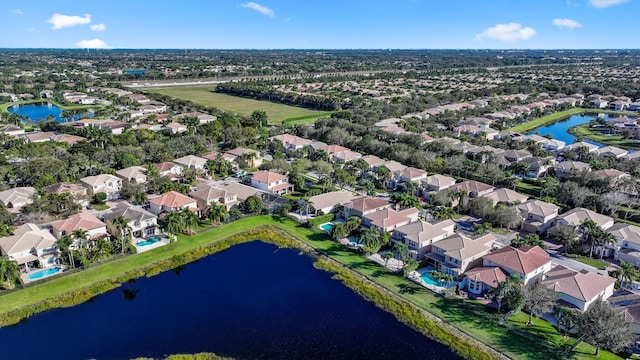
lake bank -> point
(5, 107)
(584, 131)
(279, 307)
(558, 116)
(469, 323)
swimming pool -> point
(326, 227)
(42, 273)
(149, 241)
(428, 279)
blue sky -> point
(314, 24)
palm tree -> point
(121, 225)
(383, 174)
(444, 212)
(590, 234)
(628, 272)
(337, 231)
(305, 204)
(462, 196)
(401, 250)
(80, 237)
(371, 239)
(352, 223)
(386, 257)
(173, 223)
(63, 244)
(566, 319)
(410, 187)
(9, 272)
(190, 219)
(217, 212)
(605, 239)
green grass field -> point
(550, 119)
(277, 113)
(595, 135)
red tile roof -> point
(523, 260)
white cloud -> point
(59, 21)
(98, 27)
(507, 32)
(606, 3)
(567, 23)
(18, 11)
(259, 8)
(93, 44)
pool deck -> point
(139, 249)
(24, 277)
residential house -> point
(458, 253)
(30, 247)
(252, 157)
(364, 205)
(11, 130)
(176, 127)
(38, 136)
(537, 216)
(170, 170)
(612, 152)
(172, 201)
(581, 145)
(142, 223)
(192, 162)
(420, 235)
(578, 288)
(388, 219)
(627, 247)
(373, 161)
(202, 117)
(291, 142)
(324, 203)
(206, 194)
(528, 262)
(15, 198)
(94, 228)
(577, 216)
(77, 192)
(394, 166)
(242, 191)
(616, 176)
(471, 188)
(553, 144)
(506, 197)
(481, 279)
(271, 182)
(436, 182)
(566, 168)
(538, 166)
(599, 103)
(343, 157)
(133, 175)
(516, 155)
(409, 174)
(104, 183)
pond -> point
(560, 130)
(40, 111)
(252, 301)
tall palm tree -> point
(123, 230)
(9, 272)
(63, 245)
(628, 272)
(189, 218)
(590, 234)
(605, 239)
(80, 237)
(566, 319)
(217, 212)
(401, 251)
(173, 223)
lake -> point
(37, 112)
(252, 301)
(560, 130)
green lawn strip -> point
(5, 107)
(614, 140)
(550, 334)
(589, 261)
(308, 119)
(204, 95)
(551, 118)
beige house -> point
(565, 168)
(481, 279)
(15, 198)
(105, 183)
(325, 202)
(191, 162)
(142, 223)
(94, 228)
(537, 216)
(506, 197)
(364, 205)
(30, 246)
(271, 182)
(528, 262)
(291, 142)
(133, 175)
(578, 216)
(627, 247)
(387, 220)
(207, 194)
(171, 201)
(420, 235)
(579, 288)
(252, 157)
(437, 182)
(459, 253)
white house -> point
(191, 162)
(537, 216)
(420, 235)
(142, 223)
(105, 183)
(82, 221)
(627, 247)
(578, 216)
(18, 197)
(30, 246)
(529, 262)
(272, 182)
(325, 202)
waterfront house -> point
(578, 288)
(271, 182)
(528, 262)
(537, 216)
(94, 228)
(30, 247)
(142, 223)
(611, 152)
(206, 194)
(458, 253)
(420, 235)
(481, 279)
(581, 145)
(364, 205)
(324, 203)
(172, 201)
(105, 183)
(17, 197)
(388, 219)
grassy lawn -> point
(100, 207)
(613, 140)
(277, 113)
(469, 317)
(589, 261)
(549, 119)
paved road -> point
(559, 259)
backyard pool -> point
(326, 227)
(43, 273)
(428, 279)
(149, 241)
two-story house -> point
(578, 288)
(435, 183)
(537, 216)
(31, 247)
(17, 197)
(105, 183)
(88, 223)
(459, 253)
(271, 182)
(142, 223)
(133, 175)
(364, 205)
(192, 162)
(171, 201)
(506, 197)
(206, 194)
(627, 247)
(291, 142)
(529, 262)
(387, 220)
(578, 216)
(420, 235)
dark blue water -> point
(253, 301)
(38, 112)
(559, 130)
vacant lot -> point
(277, 113)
